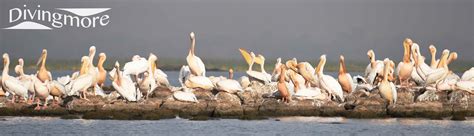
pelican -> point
(137, 66)
(328, 83)
(422, 65)
(300, 89)
(297, 80)
(387, 88)
(452, 57)
(307, 71)
(195, 63)
(102, 74)
(125, 86)
(199, 82)
(434, 62)
(466, 85)
(58, 89)
(43, 74)
(42, 90)
(26, 80)
(436, 75)
(449, 82)
(185, 95)
(229, 85)
(275, 73)
(344, 78)
(83, 81)
(11, 84)
(405, 67)
(375, 67)
(251, 59)
(468, 75)
(184, 74)
(148, 84)
(282, 86)
(160, 76)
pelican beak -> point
(43, 54)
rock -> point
(462, 103)
(228, 105)
(367, 107)
(161, 92)
(432, 110)
(188, 109)
(405, 96)
(202, 94)
(274, 107)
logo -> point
(34, 19)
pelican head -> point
(84, 59)
(415, 48)
(371, 54)
(407, 42)
(192, 35)
(278, 60)
(117, 65)
(102, 55)
(341, 58)
(322, 62)
(92, 50)
(452, 56)
(432, 49)
(152, 57)
(21, 62)
(231, 73)
(5, 59)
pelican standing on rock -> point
(148, 84)
(344, 78)
(125, 86)
(27, 80)
(83, 81)
(405, 67)
(102, 73)
(194, 62)
(374, 68)
(11, 84)
(328, 83)
(282, 85)
(387, 88)
(43, 74)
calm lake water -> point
(274, 127)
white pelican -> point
(43, 74)
(300, 89)
(185, 95)
(405, 67)
(137, 66)
(11, 84)
(422, 65)
(466, 85)
(92, 69)
(102, 74)
(297, 80)
(57, 90)
(42, 90)
(83, 81)
(229, 85)
(275, 73)
(436, 75)
(374, 68)
(148, 84)
(328, 83)
(26, 80)
(282, 85)
(195, 63)
(344, 78)
(387, 88)
(255, 75)
(468, 75)
(307, 71)
(160, 76)
(199, 82)
(184, 74)
(434, 62)
(125, 86)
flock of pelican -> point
(292, 79)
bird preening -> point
(290, 80)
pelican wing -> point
(308, 93)
(135, 67)
(435, 75)
(332, 86)
(199, 82)
(80, 84)
(184, 74)
(259, 76)
(466, 86)
(394, 92)
(127, 89)
(246, 55)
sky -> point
(304, 29)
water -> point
(286, 126)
